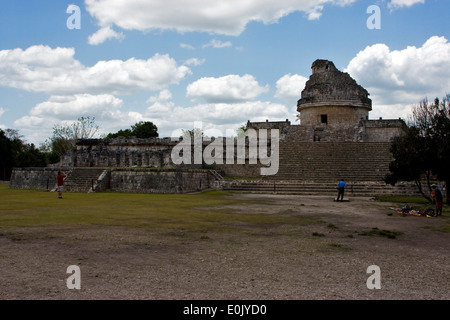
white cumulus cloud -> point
(290, 87)
(217, 44)
(76, 105)
(160, 104)
(228, 17)
(226, 113)
(393, 4)
(76, 90)
(187, 46)
(222, 117)
(214, 117)
(230, 88)
(57, 72)
(104, 34)
(403, 77)
(64, 110)
(194, 62)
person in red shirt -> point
(60, 182)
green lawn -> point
(209, 210)
(403, 199)
(213, 211)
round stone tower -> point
(332, 99)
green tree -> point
(121, 133)
(30, 156)
(14, 152)
(6, 162)
(65, 137)
(441, 139)
(425, 149)
(143, 130)
(412, 160)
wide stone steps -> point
(82, 179)
(315, 168)
(325, 161)
(357, 189)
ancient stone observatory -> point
(332, 97)
(333, 107)
(335, 138)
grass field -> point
(178, 211)
(209, 210)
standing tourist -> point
(60, 181)
(436, 194)
(341, 188)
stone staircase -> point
(315, 168)
(82, 179)
(332, 161)
(355, 189)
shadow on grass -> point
(382, 233)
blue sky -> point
(220, 63)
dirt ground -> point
(325, 259)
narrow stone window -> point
(324, 118)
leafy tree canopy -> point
(65, 137)
(143, 130)
(15, 152)
(424, 151)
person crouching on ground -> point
(60, 181)
(341, 188)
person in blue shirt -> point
(341, 188)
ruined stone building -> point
(333, 107)
(335, 139)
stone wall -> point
(103, 182)
(160, 181)
(156, 154)
(282, 126)
(335, 115)
(122, 180)
(361, 131)
(384, 130)
(34, 178)
(120, 152)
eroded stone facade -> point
(334, 107)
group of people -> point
(436, 195)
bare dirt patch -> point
(323, 256)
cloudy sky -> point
(220, 63)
